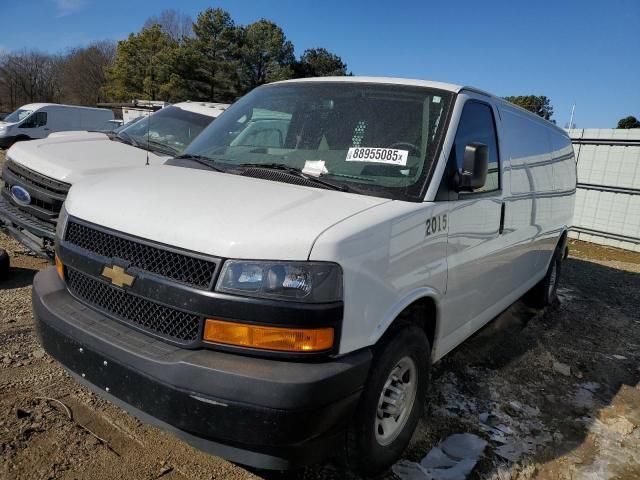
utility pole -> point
(573, 109)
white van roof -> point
(35, 106)
(204, 108)
(388, 80)
(451, 87)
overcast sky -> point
(584, 52)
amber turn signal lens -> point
(268, 338)
(59, 268)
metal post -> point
(573, 109)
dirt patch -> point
(602, 253)
(556, 391)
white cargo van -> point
(283, 300)
(38, 174)
(38, 120)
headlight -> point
(62, 223)
(313, 282)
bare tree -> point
(176, 24)
(83, 73)
(29, 76)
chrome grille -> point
(46, 193)
(29, 177)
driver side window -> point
(477, 126)
(38, 119)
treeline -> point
(78, 77)
(172, 58)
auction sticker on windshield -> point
(390, 156)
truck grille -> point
(34, 179)
(47, 194)
(182, 268)
(179, 326)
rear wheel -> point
(546, 291)
(392, 402)
(4, 265)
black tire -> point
(21, 138)
(4, 265)
(364, 453)
(545, 292)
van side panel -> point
(538, 209)
(564, 179)
(61, 118)
(54, 121)
(529, 212)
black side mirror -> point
(475, 165)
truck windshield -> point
(379, 138)
(167, 131)
(18, 115)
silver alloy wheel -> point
(396, 401)
(553, 278)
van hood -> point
(85, 134)
(215, 213)
(70, 158)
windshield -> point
(378, 138)
(128, 124)
(18, 115)
(167, 131)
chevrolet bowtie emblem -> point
(118, 276)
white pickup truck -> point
(38, 174)
(278, 294)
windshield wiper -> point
(298, 173)
(161, 147)
(201, 159)
(353, 177)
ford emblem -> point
(20, 195)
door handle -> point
(501, 229)
(47, 129)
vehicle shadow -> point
(18, 277)
(559, 375)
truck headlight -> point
(314, 282)
(62, 223)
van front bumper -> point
(265, 413)
(33, 233)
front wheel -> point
(392, 402)
(21, 138)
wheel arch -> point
(563, 243)
(420, 309)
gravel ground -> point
(554, 392)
